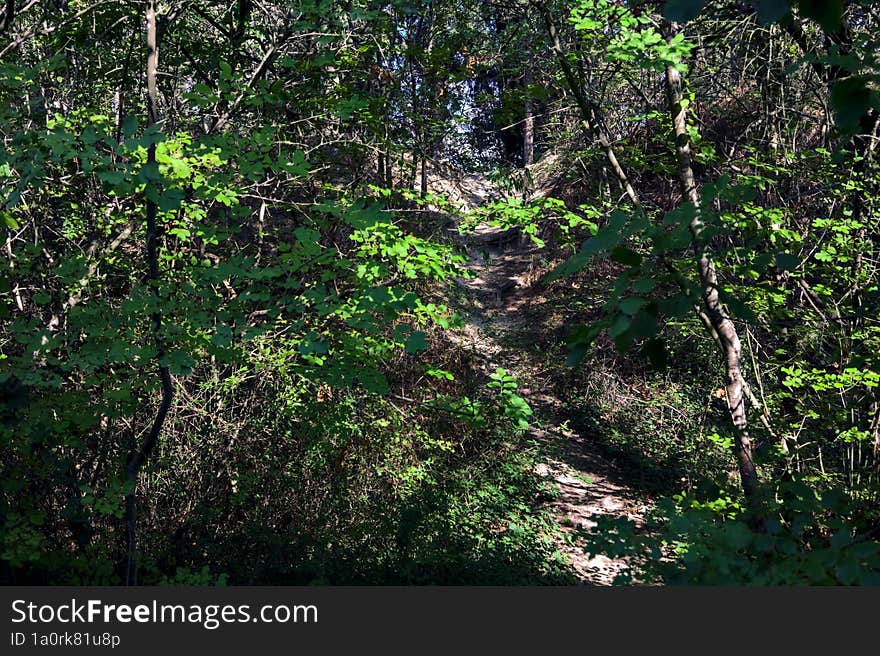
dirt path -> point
(499, 327)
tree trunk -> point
(424, 185)
(7, 16)
(140, 455)
(720, 322)
(529, 124)
(591, 117)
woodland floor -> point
(505, 326)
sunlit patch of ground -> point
(507, 319)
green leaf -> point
(179, 363)
(440, 374)
(149, 172)
(151, 136)
(581, 340)
(89, 135)
(222, 337)
(683, 10)
(373, 381)
(847, 571)
(181, 233)
(825, 12)
(644, 285)
(772, 11)
(632, 304)
(296, 163)
(738, 534)
(416, 342)
(620, 325)
(313, 345)
(655, 349)
(787, 261)
(678, 305)
(739, 309)
(9, 220)
(111, 177)
(171, 199)
(851, 99)
(840, 539)
(644, 323)
(576, 354)
(627, 256)
(129, 126)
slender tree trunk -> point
(424, 185)
(141, 454)
(389, 171)
(720, 322)
(591, 117)
(7, 16)
(529, 124)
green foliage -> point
(852, 96)
(637, 42)
(790, 273)
(183, 576)
(827, 13)
(514, 406)
(807, 536)
(324, 429)
(533, 218)
(715, 543)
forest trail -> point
(501, 331)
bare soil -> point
(502, 330)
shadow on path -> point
(505, 329)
